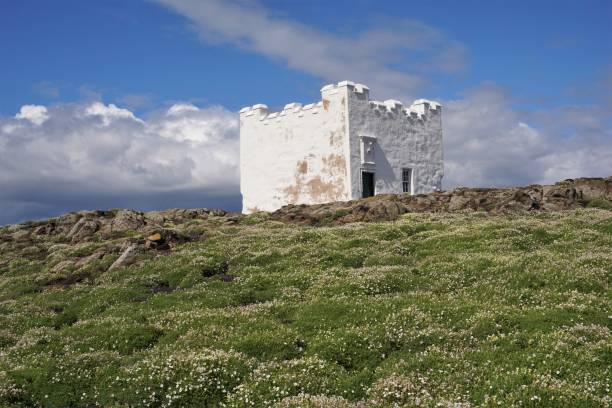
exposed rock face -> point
(89, 259)
(80, 246)
(127, 220)
(87, 225)
(62, 266)
(127, 257)
(160, 230)
(560, 196)
(82, 229)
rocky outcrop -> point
(127, 220)
(568, 194)
(127, 258)
(86, 226)
(82, 229)
(79, 246)
(85, 242)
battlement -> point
(260, 111)
(350, 85)
(419, 109)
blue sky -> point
(116, 48)
(529, 81)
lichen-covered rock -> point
(155, 217)
(127, 258)
(64, 223)
(127, 220)
(84, 228)
(459, 202)
(62, 266)
(382, 210)
(593, 188)
(21, 235)
(83, 262)
(387, 207)
(46, 229)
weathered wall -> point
(405, 138)
(296, 156)
(313, 154)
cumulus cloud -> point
(490, 142)
(109, 113)
(91, 155)
(368, 57)
(34, 113)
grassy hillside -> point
(444, 310)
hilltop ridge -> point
(126, 233)
(567, 194)
(468, 298)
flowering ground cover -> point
(450, 310)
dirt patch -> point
(220, 268)
(69, 280)
(226, 277)
(161, 287)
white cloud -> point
(179, 108)
(92, 155)
(109, 113)
(185, 122)
(34, 113)
(489, 142)
(368, 57)
(90, 150)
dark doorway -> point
(367, 184)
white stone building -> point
(341, 148)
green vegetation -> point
(600, 203)
(432, 310)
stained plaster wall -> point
(404, 138)
(297, 155)
(313, 154)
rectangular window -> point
(407, 180)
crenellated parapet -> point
(419, 109)
(261, 113)
(351, 86)
(425, 107)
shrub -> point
(601, 203)
(272, 382)
(181, 378)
